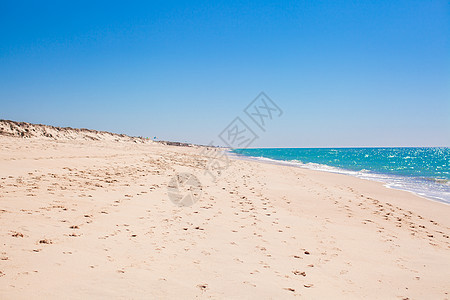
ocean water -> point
(424, 171)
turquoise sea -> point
(424, 171)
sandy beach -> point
(92, 219)
(225, 150)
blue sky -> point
(345, 73)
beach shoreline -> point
(93, 218)
(358, 174)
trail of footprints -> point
(417, 225)
(249, 207)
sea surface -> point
(424, 171)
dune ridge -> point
(48, 132)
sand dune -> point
(39, 131)
(87, 214)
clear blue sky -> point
(345, 73)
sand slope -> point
(47, 132)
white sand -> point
(92, 219)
